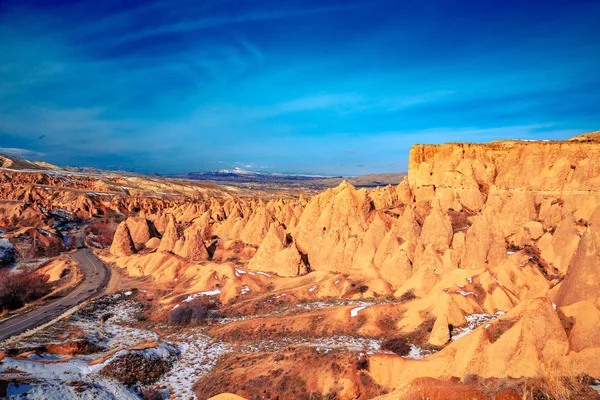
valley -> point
(473, 276)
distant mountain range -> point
(242, 176)
(235, 176)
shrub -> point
(20, 287)
(362, 364)
(136, 367)
(103, 233)
(387, 322)
(407, 296)
(396, 345)
(193, 312)
(150, 393)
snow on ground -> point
(198, 356)
(336, 303)
(207, 293)
(324, 344)
(54, 378)
(354, 311)
(7, 252)
(474, 321)
(465, 293)
(417, 353)
(239, 272)
(113, 333)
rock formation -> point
(122, 244)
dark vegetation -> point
(407, 296)
(194, 312)
(18, 288)
(397, 345)
(136, 367)
(150, 393)
(101, 233)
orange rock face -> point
(122, 244)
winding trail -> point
(95, 277)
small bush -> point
(396, 345)
(387, 322)
(103, 233)
(362, 364)
(407, 296)
(150, 393)
(195, 311)
(18, 288)
(136, 367)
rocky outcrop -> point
(191, 245)
(582, 281)
(170, 236)
(140, 229)
(122, 244)
(508, 165)
(278, 255)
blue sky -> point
(289, 86)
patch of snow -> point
(128, 293)
(417, 353)
(465, 294)
(487, 326)
(176, 307)
(281, 295)
(554, 306)
(470, 280)
(312, 289)
(354, 311)
(510, 253)
(474, 321)
(7, 252)
(245, 290)
(325, 344)
(53, 381)
(45, 357)
(264, 273)
(336, 282)
(207, 293)
(199, 356)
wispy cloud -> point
(300, 88)
(182, 23)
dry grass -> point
(554, 385)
